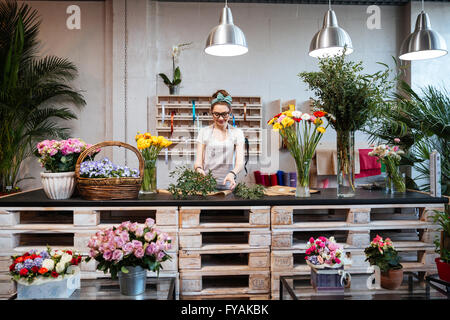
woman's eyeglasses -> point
(221, 114)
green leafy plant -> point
(176, 73)
(191, 183)
(383, 254)
(254, 192)
(32, 91)
(422, 122)
(443, 245)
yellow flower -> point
(288, 113)
(160, 140)
(147, 135)
(318, 121)
(153, 140)
(138, 136)
(291, 107)
(287, 122)
(321, 129)
(271, 121)
(277, 126)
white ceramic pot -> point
(58, 186)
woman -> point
(219, 143)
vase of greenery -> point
(383, 254)
(443, 244)
(174, 84)
(33, 90)
(348, 97)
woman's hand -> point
(230, 177)
(200, 170)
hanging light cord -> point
(423, 7)
(329, 4)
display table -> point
(224, 246)
(299, 288)
(434, 282)
(107, 289)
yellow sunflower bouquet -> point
(150, 147)
(301, 132)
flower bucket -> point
(443, 269)
(59, 185)
(327, 279)
(133, 283)
(49, 288)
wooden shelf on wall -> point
(185, 129)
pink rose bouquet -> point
(129, 245)
(61, 155)
(323, 252)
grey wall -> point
(110, 57)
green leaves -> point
(190, 183)
(176, 78)
(124, 270)
(165, 79)
(254, 192)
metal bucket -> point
(132, 283)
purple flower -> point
(151, 249)
(140, 231)
(149, 236)
(107, 255)
(149, 222)
(38, 262)
(29, 263)
(139, 253)
(137, 244)
(160, 255)
(128, 248)
(18, 267)
(44, 255)
(117, 255)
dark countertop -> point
(37, 198)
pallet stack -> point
(35, 228)
(408, 226)
(224, 252)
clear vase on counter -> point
(345, 143)
(395, 181)
(149, 179)
(302, 189)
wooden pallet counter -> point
(227, 247)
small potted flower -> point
(383, 254)
(59, 159)
(443, 245)
(390, 156)
(49, 274)
(127, 251)
(326, 259)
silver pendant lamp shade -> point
(423, 43)
(331, 39)
(226, 39)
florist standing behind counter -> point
(220, 144)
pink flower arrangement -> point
(130, 244)
(323, 252)
(61, 155)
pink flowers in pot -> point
(130, 244)
(323, 252)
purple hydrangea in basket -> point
(106, 169)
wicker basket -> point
(109, 188)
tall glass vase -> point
(346, 164)
(395, 182)
(302, 188)
(148, 185)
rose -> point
(18, 260)
(139, 253)
(55, 274)
(133, 226)
(60, 266)
(160, 255)
(93, 253)
(136, 244)
(48, 264)
(140, 231)
(65, 258)
(24, 272)
(128, 248)
(151, 249)
(149, 236)
(12, 267)
(149, 222)
(74, 261)
(35, 269)
(117, 255)
(107, 255)
(42, 270)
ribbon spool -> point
(247, 154)
(172, 114)
(245, 111)
(193, 111)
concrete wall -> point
(127, 43)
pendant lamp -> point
(331, 39)
(226, 39)
(423, 43)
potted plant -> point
(49, 274)
(326, 259)
(390, 156)
(127, 251)
(443, 245)
(302, 132)
(36, 91)
(150, 147)
(59, 159)
(348, 96)
(383, 254)
(173, 84)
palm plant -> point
(33, 90)
(422, 124)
